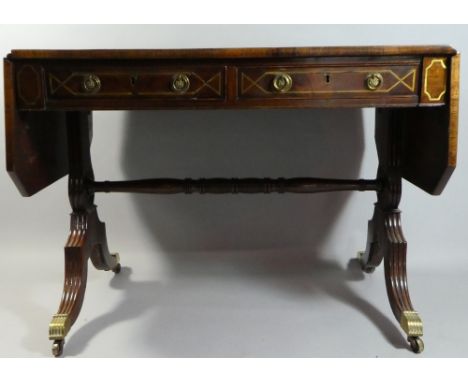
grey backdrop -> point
(258, 275)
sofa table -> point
(50, 94)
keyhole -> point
(133, 80)
(327, 78)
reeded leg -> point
(386, 241)
(76, 269)
(87, 238)
(385, 235)
(396, 281)
(391, 245)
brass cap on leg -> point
(411, 323)
(59, 327)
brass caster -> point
(57, 348)
(368, 269)
(365, 268)
(417, 344)
(117, 268)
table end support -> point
(385, 239)
(87, 238)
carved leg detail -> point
(396, 280)
(87, 239)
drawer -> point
(361, 81)
(177, 83)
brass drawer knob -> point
(374, 81)
(180, 83)
(282, 82)
(91, 83)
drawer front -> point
(365, 81)
(176, 83)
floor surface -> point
(239, 305)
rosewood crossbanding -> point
(50, 96)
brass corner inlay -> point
(29, 99)
(433, 65)
(59, 326)
(411, 323)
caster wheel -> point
(417, 344)
(368, 269)
(57, 348)
(117, 269)
(117, 259)
(365, 268)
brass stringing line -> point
(400, 80)
(38, 79)
(207, 83)
(62, 84)
(253, 83)
(441, 60)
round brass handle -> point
(180, 83)
(374, 81)
(91, 83)
(282, 82)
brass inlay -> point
(180, 83)
(38, 85)
(408, 80)
(282, 82)
(374, 81)
(411, 323)
(59, 327)
(55, 84)
(208, 84)
(426, 76)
